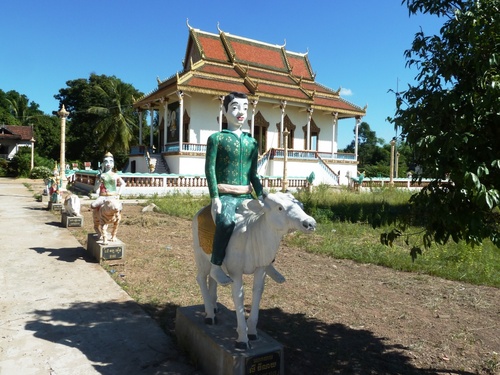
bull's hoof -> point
(242, 345)
(211, 321)
(252, 337)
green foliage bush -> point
(4, 165)
(40, 172)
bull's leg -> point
(212, 291)
(201, 279)
(274, 274)
(204, 281)
(239, 306)
(258, 288)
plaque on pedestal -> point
(71, 221)
(213, 346)
(110, 251)
(55, 207)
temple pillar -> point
(356, 132)
(252, 123)
(180, 95)
(335, 132)
(152, 114)
(221, 111)
(140, 127)
(309, 117)
(282, 106)
(165, 124)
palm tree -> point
(116, 124)
(20, 107)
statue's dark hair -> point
(231, 96)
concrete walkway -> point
(60, 312)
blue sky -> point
(357, 45)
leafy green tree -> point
(21, 108)
(6, 116)
(116, 124)
(370, 155)
(17, 109)
(47, 130)
(451, 117)
(101, 117)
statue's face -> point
(236, 113)
(108, 163)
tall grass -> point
(180, 205)
(350, 225)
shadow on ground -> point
(115, 337)
(66, 254)
(336, 348)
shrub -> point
(40, 172)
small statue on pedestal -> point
(53, 186)
(107, 207)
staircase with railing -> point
(159, 162)
(329, 172)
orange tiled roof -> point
(217, 64)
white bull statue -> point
(253, 246)
(72, 205)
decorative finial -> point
(187, 23)
(62, 112)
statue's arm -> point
(97, 183)
(254, 176)
(210, 164)
(120, 184)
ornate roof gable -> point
(215, 64)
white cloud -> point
(346, 92)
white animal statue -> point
(253, 246)
(108, 213)
(72, 205)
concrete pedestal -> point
(55, 207)
(71, 221)
(212, 347)
(110, 251)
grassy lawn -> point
(348, 228)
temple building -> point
(288, 110)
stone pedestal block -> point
(55, 207)
(212, 347)
(110, 251)
(71, 221)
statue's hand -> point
(216, 207)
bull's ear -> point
(255, 205)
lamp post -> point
(32, 140)
(285, 159)
(63, 114)
(391, 180)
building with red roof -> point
(12, 138)
(284, 98)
